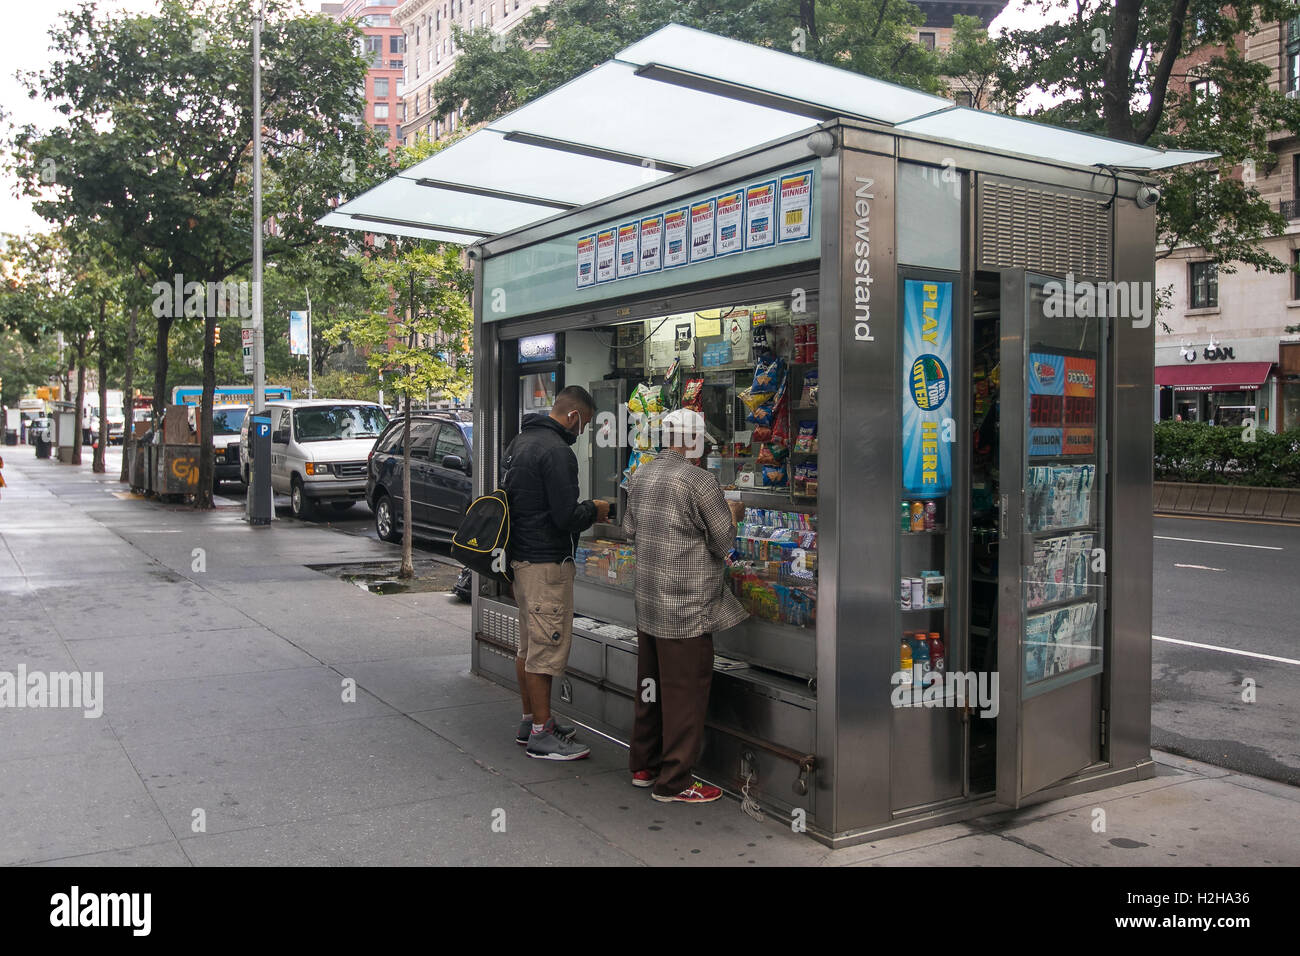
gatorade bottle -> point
(937, 664)
(921, 657)
(905, 661)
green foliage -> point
(1109, 68)
(417, 345)
(1214, 454)
(564, 39)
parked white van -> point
(319, 449)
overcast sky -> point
(24, 46)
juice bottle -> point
(918, 516)
(905, 661)
(921, 657)
(937, 663)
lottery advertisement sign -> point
(1046, 403)
(927, 387)
(1080, 413)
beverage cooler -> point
(946, 549)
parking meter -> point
(259, 490)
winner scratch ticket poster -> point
(731, 213)
(586, 261)
(796, 207)
(627, 249)
(703, 215)
(676, 231)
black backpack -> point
(484, 534)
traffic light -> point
(216, 335)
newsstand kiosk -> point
(921, 338)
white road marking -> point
(1226, 544)
(1225, 650)
(1199, 567)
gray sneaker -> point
(547, 746)
(563, 731)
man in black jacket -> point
(546, 518)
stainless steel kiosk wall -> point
(810, 725)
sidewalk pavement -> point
(226, 739)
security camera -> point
(474, 252)
(1147, 196)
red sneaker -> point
(643, 778)
(695, 793)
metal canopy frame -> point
(674, 101)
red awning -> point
(1214, 376)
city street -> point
(1230, 585)
(229, 733)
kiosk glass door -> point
(1051, 607)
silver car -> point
(319, 449)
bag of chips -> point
(768, 375)
(753, 398)
(646, 398)
(762, 434)
(693, 394)
(771, 454)
(809, 388)
(807, 437)
(762, 415)
(772, 476)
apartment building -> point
(1227, 356)
(384, 50)
(431, 52)
(936, 34)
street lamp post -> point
(259, 342)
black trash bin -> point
(42, 448)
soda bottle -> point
(905, 661)
(937, 663)
(921, 658)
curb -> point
(1227, 501)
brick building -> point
(1228, 356)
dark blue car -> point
(442, 446)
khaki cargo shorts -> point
(544, 593)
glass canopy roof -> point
(678, 98)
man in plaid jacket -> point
(683, 527)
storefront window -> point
(751, 371)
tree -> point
(1113, 68)
(434, 318)
(154, 154)
(558, 42)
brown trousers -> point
(668, 733)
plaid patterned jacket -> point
(679, 519)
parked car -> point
(442, 446)
(227, 424)
(319, 449)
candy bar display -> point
(612, 563)
(773, 568)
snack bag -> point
(645, 396)
(809, 388)
(753, 398)
(693, 394)
(761, 434)
(807, 437)
(771, 454)
(772, 476)
(763, 415)
(769, 375)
